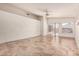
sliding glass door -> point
(63, 29)
(54, 30)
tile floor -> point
(40, 46)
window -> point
(67, 27)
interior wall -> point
(77, 32)
(51, 21)
(14, 27)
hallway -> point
(39, 46)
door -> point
(55, 29)
(55, 34)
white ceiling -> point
(55, 9)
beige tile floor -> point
(40, 46)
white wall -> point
(77, 33)
(14, 27)
(51, 21)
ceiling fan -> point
(47, 12)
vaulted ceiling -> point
(54, 9)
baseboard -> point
(21, 39)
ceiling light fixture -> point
(46, 11)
